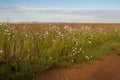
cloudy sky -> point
(94, 11)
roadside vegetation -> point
(26, 51)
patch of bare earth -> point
(107, 69)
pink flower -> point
(46, 32)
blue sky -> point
(60, 10)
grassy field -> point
(29, 49)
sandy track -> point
(107, 69)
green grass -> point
(27, 51)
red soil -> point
(107, 69)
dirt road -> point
(107, 69)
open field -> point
(26, 50)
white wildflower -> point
(89, 42)
(87, 57)
(26, 35)
(1, 51)
(13, 36)
(50, 57)
(53, 40)
(72, 61)
(9, 34)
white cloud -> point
(63, 14)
